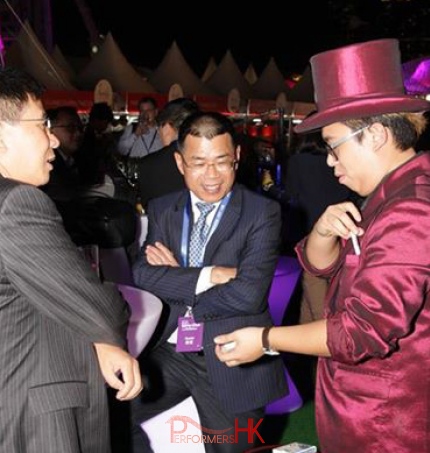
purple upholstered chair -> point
(288, 271)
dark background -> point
(289, 31)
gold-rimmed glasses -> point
(222, 166)
(330, 148)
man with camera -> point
(141, 138)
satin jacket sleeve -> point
(375, 297)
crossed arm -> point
(159, 255)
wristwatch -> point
(265, 342)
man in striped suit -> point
(62, 333)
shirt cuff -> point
(204, 282)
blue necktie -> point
(199, 235)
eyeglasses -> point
(223, 166)
(331, 148)
(46, 122)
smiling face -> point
(208, 166)
(26, 146)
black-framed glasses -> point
(223, 166)
(330, 148)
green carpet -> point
(297, 426)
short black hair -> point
(176, 111)
(101, 111)
(55, 113)
(208, 125)
(148, 100)
(16, 86)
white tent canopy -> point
(174, 69)
(228, 76)
(109, 63)
(211, 67)
(250, 74)
(27, 53)
(270, 83)
(61, 61)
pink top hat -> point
(356, 81)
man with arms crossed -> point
(221, 288)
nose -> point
(211, 170)
(331, 160)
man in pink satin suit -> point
(373, 381)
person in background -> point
(141, 138)
(95, 158)
(158, 173)
(310, 187)
(64, 183)
(373, 373)
(62, 333)
(258, 157)
(220, 283)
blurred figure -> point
(257, 158)
(310, 184)
(310, 187)
(158, 173)
(62, 333)
(96, 204)
(64, 182)
(95, 158)
(141, 138)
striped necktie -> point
(199, 235)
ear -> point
(179, 162)
(379, 135)
(237, 156)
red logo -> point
(179, 435)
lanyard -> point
(186, 226)
(148, 149)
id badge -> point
(190, 335)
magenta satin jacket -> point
(373, 394)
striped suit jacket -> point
(52, 308)
(247, 237)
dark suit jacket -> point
(158, 174)
(52, 308)
(64, 183)
(312, 185)
(247, 237)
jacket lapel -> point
(227, 224)
(176, 222)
